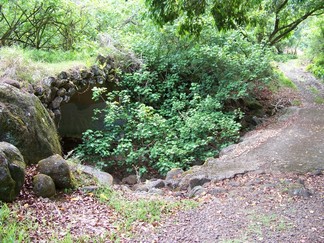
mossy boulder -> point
(43, 186)
(25, 123)
(12, 172)
(58, 169)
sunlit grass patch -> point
(18, 64)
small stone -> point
(103, 178)
(216, 191)
(66, 98)
(156, 184)
(52, 94)
(58, 169)
(198, 181)
(43, 186)
(63, 75)
(156, 191)
(100, 80)
(11, 82)
(75, 75)
(318, 172)
(130, 180)
(196, 191)
(141, 188)
(57, 102)
(71, 91)
(95, 70)
(301, 192)
(234, 183)
(38, 91)
(172, 184)
(89, 188)
(174, 174)
(61, 92)
(49, 81)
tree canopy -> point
(269, 20)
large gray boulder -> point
(25, 123)
(58, 169)
(12, 172)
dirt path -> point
(281, 199)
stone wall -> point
(56, 91)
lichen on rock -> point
(12, 172)
(58, 169)
(25, 123)
(43, 186)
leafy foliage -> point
(45, 24)
(314, 36)
(270, 21)
(171, 112)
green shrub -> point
(317, 66)
(171, 112)
(136, 135)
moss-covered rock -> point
(43, 186)
(25, 123)
(58, 169)
(12, 172)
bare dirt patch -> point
(252, 208)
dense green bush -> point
(317, 66)
(136, 135)
(313, 37)
(171, 112)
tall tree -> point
(41, 24)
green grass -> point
(10, 229)
(26, 67)
(314, 90)
(259, 222)
(140, 210)
(283, 81)
(319, 100)
(296, 102)
(285, 57)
